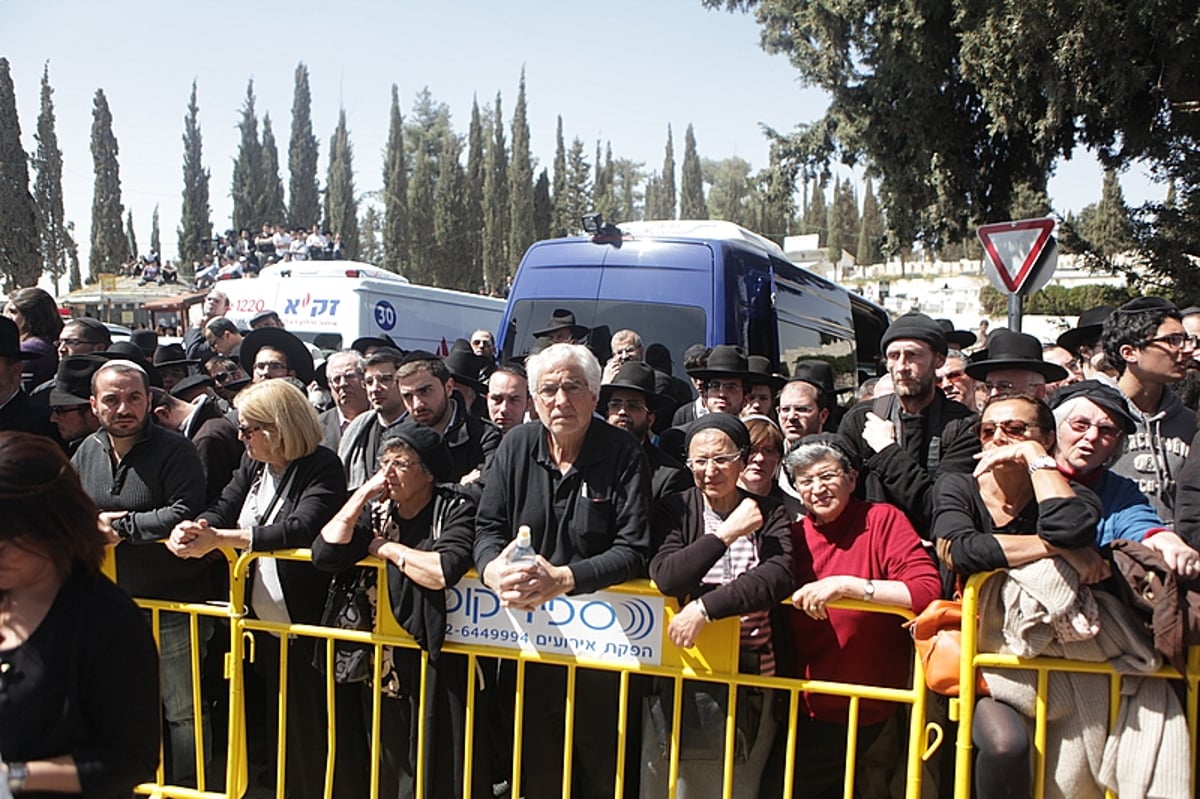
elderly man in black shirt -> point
(583, 487)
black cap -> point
(97, 331)
(429, 444)
(727, 423)
(915, 326)
(1102, 394)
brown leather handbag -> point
(937, 637)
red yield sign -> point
(1014, 253)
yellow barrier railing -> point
(713, 659)
(962, 709)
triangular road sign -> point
(1014, 248)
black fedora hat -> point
(186, 388)
(128, 351)
(145, 340)
(10, 342)
(1008, 349)
(958, 339)
(361, 345)
(1088, 328)
(725, 360)
(636, 376)
(299, 358)
(464, 366)
(1108, 398)
(818, 373)
(172, 355)
(559, 319)
(762, 374)
(73, 380)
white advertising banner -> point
(605, 625)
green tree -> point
(421, 189)
(560, 223)
(155, 233)
(195, 215)
(341, 204)
(395, 193)
(452, 268)
(816, 216)
(304, 197)
(370, 248)
(20, 245)
(74, 277)
(47, 186)
(665, 190)
(427, 124)
(691, 182)
(1111, 231)
(578, 191)
(651, 193)
(603, 200)
(472, 219)
(729, 195)
(543, 207)
(778, 188)
(627, 183)
(130, 236)
(870, 229)
(247, 170)
(843, 219)
(108, 239)
(520, 181)
(272, 208)
(495, 206)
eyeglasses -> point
(1081, 426)
(571, 388)
(633, 406)
(724, 385)
(71, 342)
(396, 465)
(348, 377)
(480, 342)
(63, 410)
(824, 478)
(1176, 341)
(700, 464)
(1008, 386)
(1013, 428)
(270, 366)
(221, 378)
(247, 430)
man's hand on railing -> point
(525, 585)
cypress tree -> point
(817, 216)
(130, 237)
(495, 206)
(1111, 230)
(420, 202)
(451, 269)
(472, 223)
(543, 207)
(74, 278)
(395, 193)
(834, 225)
(691, 183)
(603, 201)
(665, 189)
(155, 235)
(108, 239)
(272, 209)
(520, 181)
(627, 178)
(653, 201)
(579, 190)
(560, 221)
(370, 248)
(20, 242)
(304, 198)
(341, 206)
(247, 170)
(778, 191)
(871, 229)
(47, 186)
(195, 215)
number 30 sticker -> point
(385, 315)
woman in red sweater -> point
(847, 549)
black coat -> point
(315, 493)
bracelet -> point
(17, 774)
(400, 559)
(703, 610)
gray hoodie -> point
(1155, 452)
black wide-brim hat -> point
(1008, 349)
(299, 358)
(958, 339)
(189, 384)
(636, 376)
(172, 355)
(724, 360)
(1088, 328)
(464, 366)
(761, 373)
(360, 345)
(559, 319)
(1103, 395)
(818, 373)
(73, 380)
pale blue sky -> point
(619, 71)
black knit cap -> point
(916, 326)
(429, 444)
(727, 423)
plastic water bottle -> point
(523, 551)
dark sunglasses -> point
(1013, 428)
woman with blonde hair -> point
(287, 487)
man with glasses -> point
(630, 402)
(70, 399)
(722, 380)
(359, 447)
(223, 337)
(483, 344)
(626, 346)
(906, 439)
(1145, 341)
(955, 383)
(272, 352)
(344, 372)
(1014, 366)
(83, 336)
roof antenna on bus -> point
(595, 225)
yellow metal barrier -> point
(962, 709)
(713, 659)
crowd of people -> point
(237, 254)
(744, 485)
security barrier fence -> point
(620, 631)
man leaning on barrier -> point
(583, 488)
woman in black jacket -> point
(724, 552)
(287, 487)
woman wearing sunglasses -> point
(1015, 509)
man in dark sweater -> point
(146, 480)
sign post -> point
(1019, 257)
